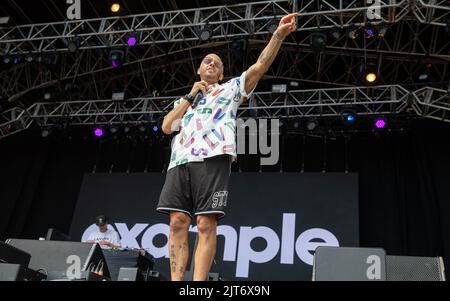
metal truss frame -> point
(392, 55)
(435, 12)
(432, 103)
(174, 47)
(376, 100)
(422, 39)
(185, 25)
(13, 121)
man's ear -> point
(198, 71)
(221, 77)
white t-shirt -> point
(210, 129)
(110, 236)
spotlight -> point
(318, 41)
(382, 31)
(272, 25)
(4, 20)
(98, 132)
(73, 45)
(113, 129)
(142, 128)
(294, 84)
(115, 7)
(118, 96)
(423, 76)
(132, 41)
(335, 33)
(16, 60)
(116, 57)
(370, 32)
(369, 73)
(206, 32)
(380, 123)
(371, 77)
(311, 124)
(126, 129)
(6, 60)
(425, 69)
(45, 132)
(353, 34)
(279, 88)
(29, 58)
(47, 96)
(155, 128)
(348, 116)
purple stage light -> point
(380, 123)
(98, 132)
(131, 41)
(114, 64)
(155, 128)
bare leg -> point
(178, 244)
(206, 248)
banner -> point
(273, 223)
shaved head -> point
(211, 69)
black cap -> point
(101, 220)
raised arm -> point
(256, 71)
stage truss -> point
(174, 50)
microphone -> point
(197, 99)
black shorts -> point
(197, 188)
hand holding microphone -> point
(197, 92)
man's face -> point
(211, 69)
(103, 228)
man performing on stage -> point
(200, 165)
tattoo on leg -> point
(181, 269)
(173, 263)
(183, 247)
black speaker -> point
(11, 272)
(84, 276)
(117, 259)
(411, 268)
(62, 255)
(10, 254)
(214, 277)
(362, 264)
(349, 264)
(152, 275)
(130, 274)
(16, 272)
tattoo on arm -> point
(269, 53)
